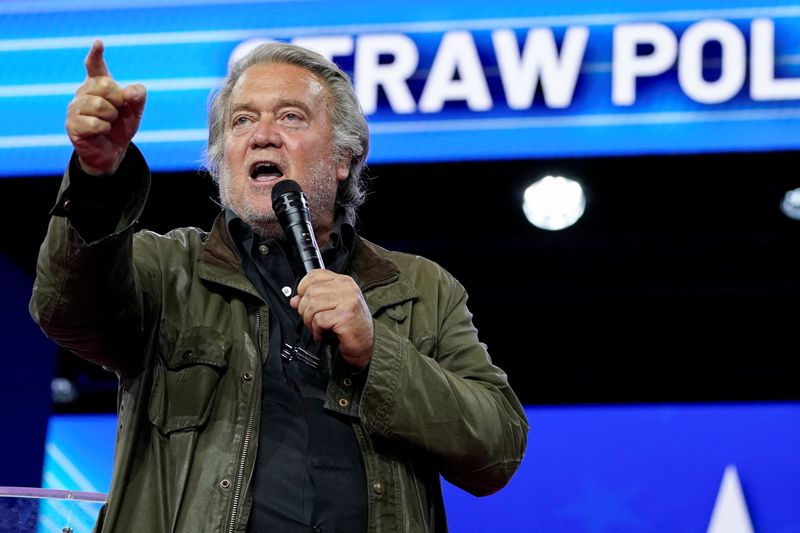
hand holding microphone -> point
(326, 301)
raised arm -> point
(87, 296)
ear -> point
(343, 167)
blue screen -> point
(604, 469)
(465, 80)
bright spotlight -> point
(554, 203)
(791, 204)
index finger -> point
(95, 63)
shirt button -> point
(343, 402)
(263, 249)
(377, 487)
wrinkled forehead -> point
(280, 81)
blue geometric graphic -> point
(588, 469)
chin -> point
(264, 224)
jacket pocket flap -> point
(199, 345)
(185, 380)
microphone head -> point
(283, 187)
(291, 209)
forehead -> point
(278, 81)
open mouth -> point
(264, 171)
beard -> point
(255, 208)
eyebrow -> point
(244, 106)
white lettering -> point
(690, 62)
(370, 73)
(456, 55)
(627, 65)
(763, 85)
(540, 61)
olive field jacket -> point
(175, 317)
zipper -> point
(248, 435)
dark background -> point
(680, 282)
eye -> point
(240, 120)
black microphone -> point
(291, 207)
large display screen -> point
(714, 468)
(439, 81)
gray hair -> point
(350, 131)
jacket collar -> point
(377, 276)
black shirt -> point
(309, 474)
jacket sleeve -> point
(86, 296)
(439, 394)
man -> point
(247, 400)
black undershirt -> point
(309, 474)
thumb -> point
(135, 96)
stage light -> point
(791, 204)
(63, 390)
(554, 203)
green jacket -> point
(186, 332)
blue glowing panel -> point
(466, 80)
(79, 456)
(600, 469)
(626, 469)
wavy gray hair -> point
(350, 131)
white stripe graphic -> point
(632, 119)
(92, 5)
(604, 19)
(76, 476)
(427, 126)
(54, 141)
(34, 141)
(58, 89)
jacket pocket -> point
(186, 378)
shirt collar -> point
(336, 255)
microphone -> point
(291, 207)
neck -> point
(270, 229)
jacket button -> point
(377, 487)
(343, 402)
(247, 376)
(263, 249)
(225, 483)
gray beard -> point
(320, 195)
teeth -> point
(265, 170)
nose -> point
(265, 134)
